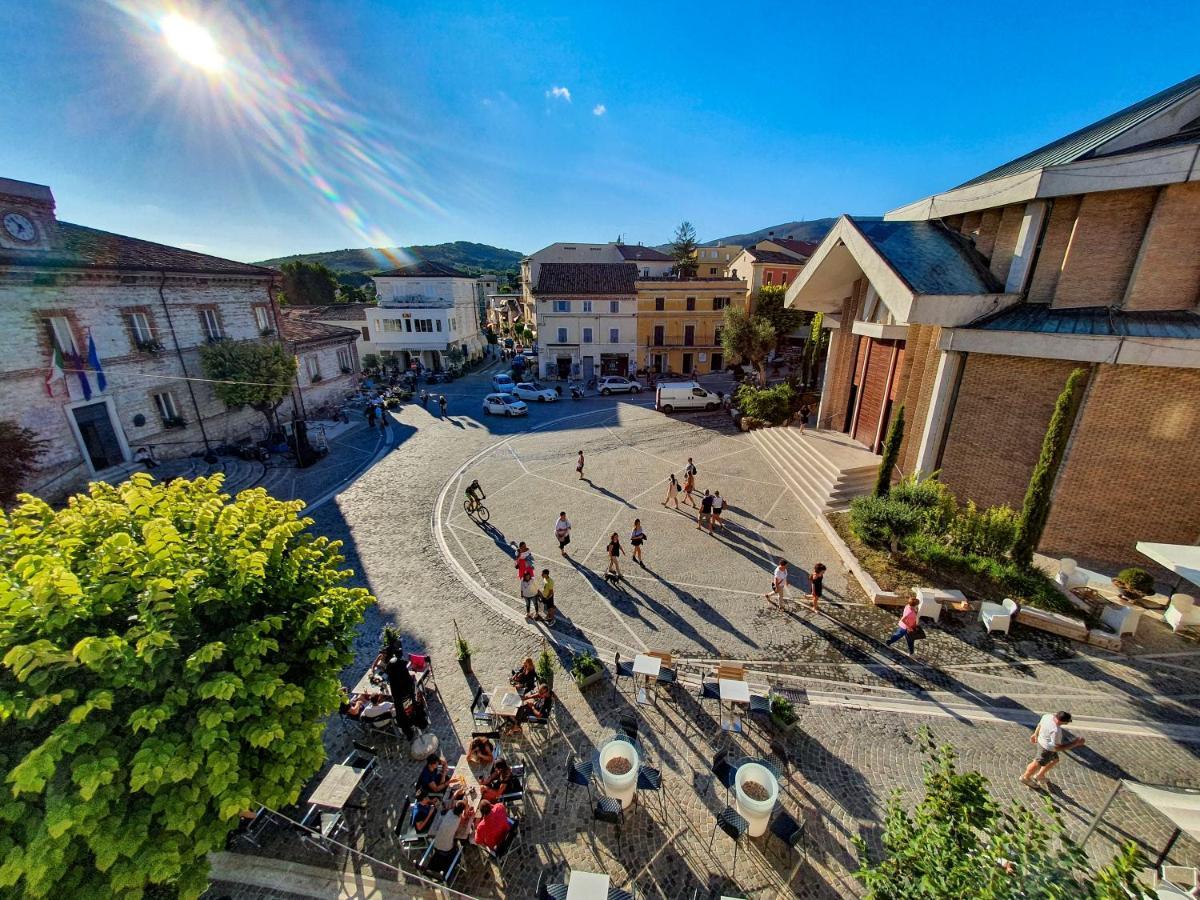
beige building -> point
(712, 261)
(775, 261)
(971, 308)
(679, 322)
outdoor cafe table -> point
(732, 692)
(504, 702)
(649, 667)
(587, 886)
(336, 787)
(365, 685)
(465, 775)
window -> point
(767, 278)
(658, 335)
(390, 325)
(587, 335)
(366, 333)
(344, 359)
(614, 306)
(211, 324)
(614, 335)
(712, 270)
(691, 303)
(139, 327)
(408, 325)
(717, 336)
(783, 277)
(587, 305)
(646, 272)
(660, 303)
(562, 335)
(262, 318)
(59, 328)
(562, 305)
(720, 302)
(312, 365)
(689, 335)
(167, 408)
(438, 322)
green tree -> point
(170, 657)
(249, 373)
(960, 842)
(370, 362)
(308, 284)
(19, 449)
(749, 338)
(683, 249)
(891, 453)
(1036, 508)
(349, 292)
(770, 306)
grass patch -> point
(924, 562)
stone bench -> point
(1055, 623)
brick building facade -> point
(972, 307)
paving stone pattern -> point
(701, 599)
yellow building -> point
(679, 322)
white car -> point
(615, 384)
(504, 405)
(502, 383)
(531, 390)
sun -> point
(192, 43)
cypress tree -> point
(1036, 509)
(891, 453)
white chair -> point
(931, 601)
(1069, 575)
(997, 616)
(1182, 612)
(1122, 619)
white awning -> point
(1182, 559)
(1180, 805)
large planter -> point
(757, 813)
(620, 786)
(465, 663)
(584, 680)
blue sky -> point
(733, 116)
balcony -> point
(415, 301)
(671, 343)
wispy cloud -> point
(599, 109)
(559, 93)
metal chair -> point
(621, 670)
(518, 794)
(255, 827)
(620, 894)
(609, 809)
(444, 875)
(319, 826)
(547, 890)
(511, 839)
(360, 759)
(732, 823)
(479, 705)
(791, 834)
(580, 773)
(722, 771)
(650, 779)
(629, 725)
(410, 839)
(760, 706)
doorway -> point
(687, 364)
(564, 366)
(718, 362)
(99, 435)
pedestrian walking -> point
(424, 399)
(530, 593)
(442, 404)
(637, 537)
(524, 561)
(705, 517)
(778, 586)
(549, 610)
(689, 471)
(672, 492)
(562, 532)
(1050, 738)
(805, 412)
(816, 582)
(614, 558)
(718, 506)
(579, 465)
(907, 628)
(370, 415)
(689, 485)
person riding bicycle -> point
(475, 492)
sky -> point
(311, 125)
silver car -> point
(615, 384)
(504, 405)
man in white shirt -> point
(718, 506)
(1050, 738)
(562, 531)
(778, 585)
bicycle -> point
(476, 510)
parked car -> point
(684, 395)
(615, 384)
(532, 390)
(504, 405)
(502, 383)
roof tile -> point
(586, 278)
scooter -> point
(576, 392)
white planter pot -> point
(757, 813)
(620, 787)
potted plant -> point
(544, 667)
(782, 713)
(586, 669)
(463, 651)
(1134, 583)
(389, 638)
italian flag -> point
(56, 371)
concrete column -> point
(831, 354)
(1027, 241)
(949, 366)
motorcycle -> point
(576, 392)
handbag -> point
(918, 633)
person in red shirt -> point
(493, 825)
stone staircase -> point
(825, 469)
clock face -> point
(19, 227)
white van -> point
(684, 395)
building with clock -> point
(103, 333)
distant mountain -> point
(813, 230)
(475, 259)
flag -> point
(77, 365)
(94, 362)
(56, 371)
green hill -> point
(812, 230)
(475, 259)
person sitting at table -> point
(435, 776)
(481, 753)
(500, 782)
(536, 705)
(367, 706)
(423, 813)
(524, 679)
(493, 825)
(445, 836)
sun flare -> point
(192, 43)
